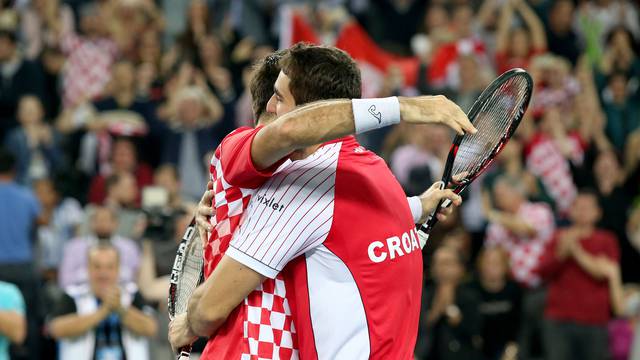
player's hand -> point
(431, 198)
(203, 212)
(435, 110)
(179, 333)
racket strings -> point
(493, 121)
(191, 275)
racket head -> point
(496, 114)
(187, 271)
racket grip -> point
(425, 229)
(423, 237)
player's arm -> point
(241, 271)
(421, 207)
(327, 120)
(211, 303)
(230, 283)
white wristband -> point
(369, 114)
(416, 208)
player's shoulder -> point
(239, 131)
(231, 140)
(352, 151)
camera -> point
(160, 216)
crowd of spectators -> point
(110, 110)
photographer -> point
(157, 258)
(161, 202)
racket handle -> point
(184, 352)
(423, 236)
(425, 229)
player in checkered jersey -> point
(245, 160)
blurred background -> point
(110, 109)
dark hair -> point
(7, 161)
(483, 253)
(320, 73)
(265, 73)
(127, 140)
(588, 191)
(9, 34)
(457, 254)
(632, 41)
(617, 74)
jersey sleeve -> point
(416, 208)
(234, 157)
(287, 217)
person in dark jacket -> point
(500, 303)
(18, 77)
(35, 144)
(450, 323)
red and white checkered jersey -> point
(337, 225)
(88, 67)
(525, 253)
(261, 327)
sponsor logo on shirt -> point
(393, 247)
(269, 203)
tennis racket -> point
(496, 114)
(187, 273)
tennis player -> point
(249, 157)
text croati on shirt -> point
(338, 226)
